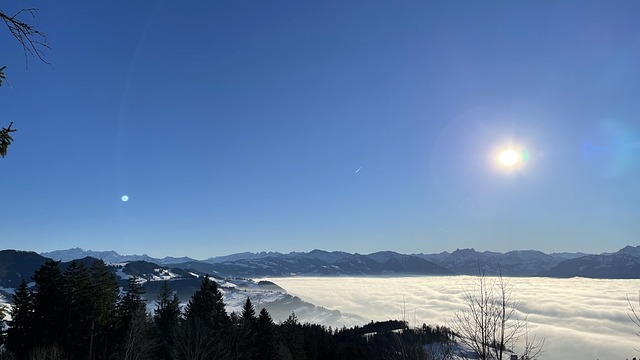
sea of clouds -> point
(578, 318)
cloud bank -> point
(579, 318)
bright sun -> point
(509, 157)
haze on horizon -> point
(221, 127)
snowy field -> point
(579, 318)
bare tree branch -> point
(634, 314)
(489, 322)
(33, 41)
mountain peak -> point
(631, 250)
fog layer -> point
(579, 318)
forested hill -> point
(80, 312)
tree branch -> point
(33, 41)
(5, 139)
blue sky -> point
(356, 126)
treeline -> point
(80, 313)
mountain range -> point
(624, 263)
(233, 272)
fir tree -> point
(166, 318)
(20, 335)
(79, 296)
(207, 305)
(248, 314)
(265, 337)
(292, 338)
(102, 337)
(206, 328)
(135, 327)
(243, 341)
(49, 304)
(132, 303)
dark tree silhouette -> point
(79, 298)
(132, 303)
(49, 304)
(20, 334)
(102, 339)
(33, 43)
(243, 339)
(206, 328)
(167, 319)
(265, 337)
(292, 339)
(5, 137)
(207, 305)
(135, 328)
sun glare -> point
(509, 157)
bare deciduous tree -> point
(489, 324)
(634, 314)
(196, 341)
(139, 343)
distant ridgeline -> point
(623, 264)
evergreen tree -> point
(248, 314)
(206, 328)
(166, 318)
(80, 300)
(243, 341)
(207, 305)
(132, 303)
(292, 338)
(20, 335)
(135, 327)
(266, 348)
(102, 337)
(49, 303)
